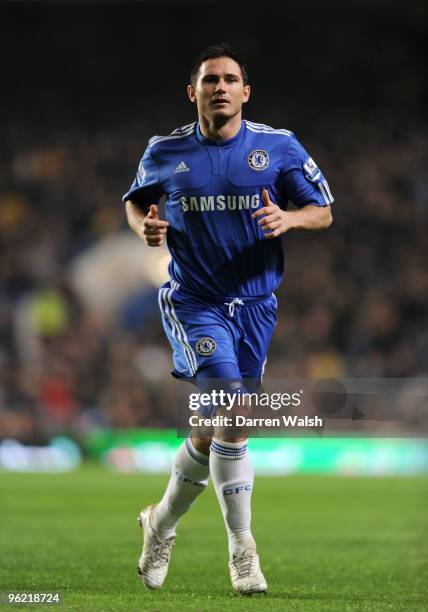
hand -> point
(274, 221)
(154, 229)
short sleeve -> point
(302, 180)
(146, 188)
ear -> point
(191, 93)
(247, 91)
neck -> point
(220, 129)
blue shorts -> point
(205, 331)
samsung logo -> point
(220, 202)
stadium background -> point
(86, 84)
(84, 365)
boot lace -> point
(160, 551)
(243, 564)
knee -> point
(234, 433)
(202, 444)
(226, 436)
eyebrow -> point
(229, 74)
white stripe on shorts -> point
(167, 308)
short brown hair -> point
(213, 52)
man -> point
(228, 183)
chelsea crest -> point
(206, 346)
(258, 160)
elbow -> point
(133, 216)
(128, 211)
(129, 217)
(328, 218)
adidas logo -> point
(181, 168)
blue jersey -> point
(212, 189)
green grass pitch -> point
(326, 543)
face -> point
(219, 91)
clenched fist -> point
(154, 229)
(274, 221)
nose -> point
(220, 88)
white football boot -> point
(154, 560)
(245, 573)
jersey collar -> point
(227, 143)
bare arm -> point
(135, 216)
(276, 221)
(147, 226)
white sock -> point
(233, 477)
(190, 473)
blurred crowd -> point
(352, 304)
(81, 342)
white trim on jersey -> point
(166, 306)
(325, 191)
(183, 127)
(178, 130)
(266, 129)
(276, 300)
(272, 132)
(182, 132)
(327, 188)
